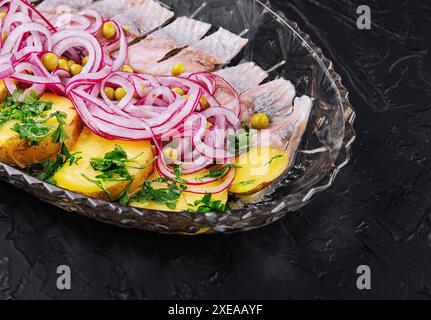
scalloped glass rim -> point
(325, 148)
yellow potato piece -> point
(186, 200)
(258, 168)
(19, 152)
(92, 146)
(3, 90)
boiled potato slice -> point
(3, 90)
(258, 168)
(92, 146)
(185, 202)
(19, 152)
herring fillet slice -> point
(138, 17)
(275, 99)
(294, 126)
(143, 18)
(179, 34)
(243, 76)
(55, 6)
(110, 8)
(204, 55)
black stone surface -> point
(378, 213)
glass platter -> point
(277, 45)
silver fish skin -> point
(110, 8)
(160, 43)
(288, 115)
(141, 19)
(205, 55)
(63, 6)
(244, 76)
(274, 98)
(293, 127)
(241, 78)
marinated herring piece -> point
(241, 78)
(205, 55)
(179, 34)
(110, 8)
(143, 18)
(60, 6)
(273, 147)
(244, 76)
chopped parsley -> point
(244, 183)
(12, 109)
(99, 184)
(47, 169)
(31, 118)
(168, 196)
(273, 159)
(124, 196)
(240, 142)
(31, 130)
(72, 158)
(59, 135)
(218, 173)
(206, 205)
(245, 127)
(114, 167)
(178, 170)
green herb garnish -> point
(206, 205)
(72, 158)
(124, 196)
(47, 169)
(244, 183)
(178, 171)
(31, 130)
(114, 167)
(12, 109)
(245, 127)
(273, 159)
(99, 184)
(168, 196)
(59, 135)
(32, 120)
(218, 173)
(240, 142)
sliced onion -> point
(19, 31)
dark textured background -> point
(377, 213)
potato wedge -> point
(71, 177)
(257, 169)
(185, 202)
(21, 153)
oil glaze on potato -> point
(186, 200)
(92, 146)
(19, 152)
(257, 169)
